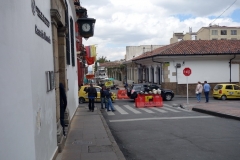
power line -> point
(223, 12)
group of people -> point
(200, 88)
(105, 98)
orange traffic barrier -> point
(122, 94)
(148, 100)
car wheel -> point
(81, 100)
(215, 97)
(223, 97)
(168, 97)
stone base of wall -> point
(181, 89)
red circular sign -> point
(187, 71)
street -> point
(172, 132)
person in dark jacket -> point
(63, 105)
(103, 96)
(92, 94)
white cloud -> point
(121, 23)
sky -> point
(121, 23)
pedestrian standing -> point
(102, 92)
(63, 106)
(206, 88)
(108, 100)
(198, 91)
(92, 94)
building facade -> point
(212, 32)
(43, 55)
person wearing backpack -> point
(108, 100)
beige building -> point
(213, 32)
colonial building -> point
(38, 49)
(210, 60)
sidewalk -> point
(227, 109)
(89, 138)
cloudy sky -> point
(121, 23)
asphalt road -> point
(172, 133)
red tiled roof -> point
(109, 64)
(195, 47)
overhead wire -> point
(223, 12)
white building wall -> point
(28, 118)
(209, 70)
(72, 75)
(134, 51)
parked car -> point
(226, 91)
(135, 89)
(83, 96)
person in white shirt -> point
(199, 89)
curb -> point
(218, 114)
(116, 149)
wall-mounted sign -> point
(42, 34)
(38, 31)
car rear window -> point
(218, 87)
(137, 87)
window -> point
(236, 87)
(214, 32)
(214, 39)
(223, 38)
(223, 32)
(229, 87)
(72, 42)
(233, 32)
(67, 35)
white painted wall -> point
(213, 71)
(72, 76)
(134, 51)
(28, 117)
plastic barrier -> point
(122, 94)
(148, 100)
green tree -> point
(100, 60)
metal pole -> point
(187, 89)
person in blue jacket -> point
(206, 88)
(108, 100)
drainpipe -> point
(160, 71)
(230, 65)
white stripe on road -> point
(169, 109)
(160, 118)
(119, 109)
(131, 109)
(110, 113)
(146, 110)
(159, 110)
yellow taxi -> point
(83, 96)
(226, 91)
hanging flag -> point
(90, 60)
(93, 51)
(87, 48)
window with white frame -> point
(214, 32)
(233, 32)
